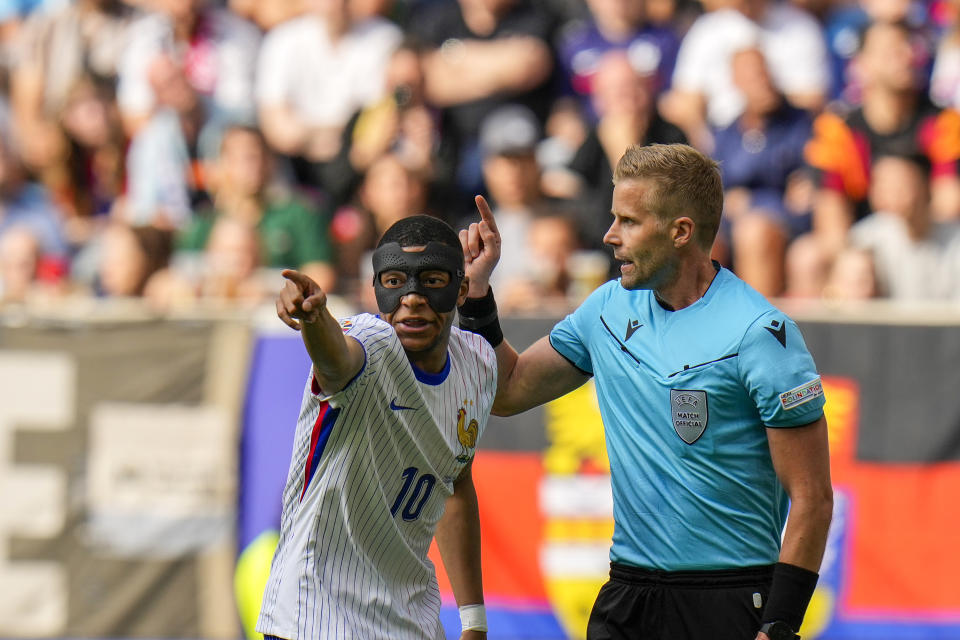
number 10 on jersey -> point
(413, 495)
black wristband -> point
(790, 593)
(479, 315)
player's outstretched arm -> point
(458, 539)
(302, 305)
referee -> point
(712, 409)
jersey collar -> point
(433, 379)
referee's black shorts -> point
(638, 604)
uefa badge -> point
(689, 411)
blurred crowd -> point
(185, 151)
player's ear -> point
(464, 287)
(681, 231)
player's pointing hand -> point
(300, 300)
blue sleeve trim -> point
(804, 422)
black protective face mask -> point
(435, 257)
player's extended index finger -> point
(302, 281)
(486, 214)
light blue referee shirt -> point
(685, 397)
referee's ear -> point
(682, 230)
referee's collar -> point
(706, 294)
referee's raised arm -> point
(524, 380)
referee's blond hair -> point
(687, 184)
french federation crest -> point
(466, 433)
(689, 411)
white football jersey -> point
(371, 470)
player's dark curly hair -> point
(418, 230)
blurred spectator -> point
(89, 177)
(945, 79)
(677, 15)
(628, 115)
(508, 138)
(703, 89)
(241, 181)
(401, 123)
(79, 43)
(27, 204)
(852, 276)
(916, 257)
(844, 25)
(616, 25)
(390, 191)
(564, 132)
(760, 154)
(894, 119)
(232, 263)
(13, 13)
(215, 50)
(365, 9)
(228, 272)
(129, 256)
(807, 269)
(314, 73)
(267, 14)
(819, 9)
(483, 54)
(552, 242)
(165, 181)
(19, 264)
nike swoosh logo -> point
(398, 407)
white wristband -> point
(473, 617)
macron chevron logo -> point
(779, 331)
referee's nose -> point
(612, 235)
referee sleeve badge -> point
(802, 394)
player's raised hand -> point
(481, 249)
(300, 300)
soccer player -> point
(712, 409)
(388, 427)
